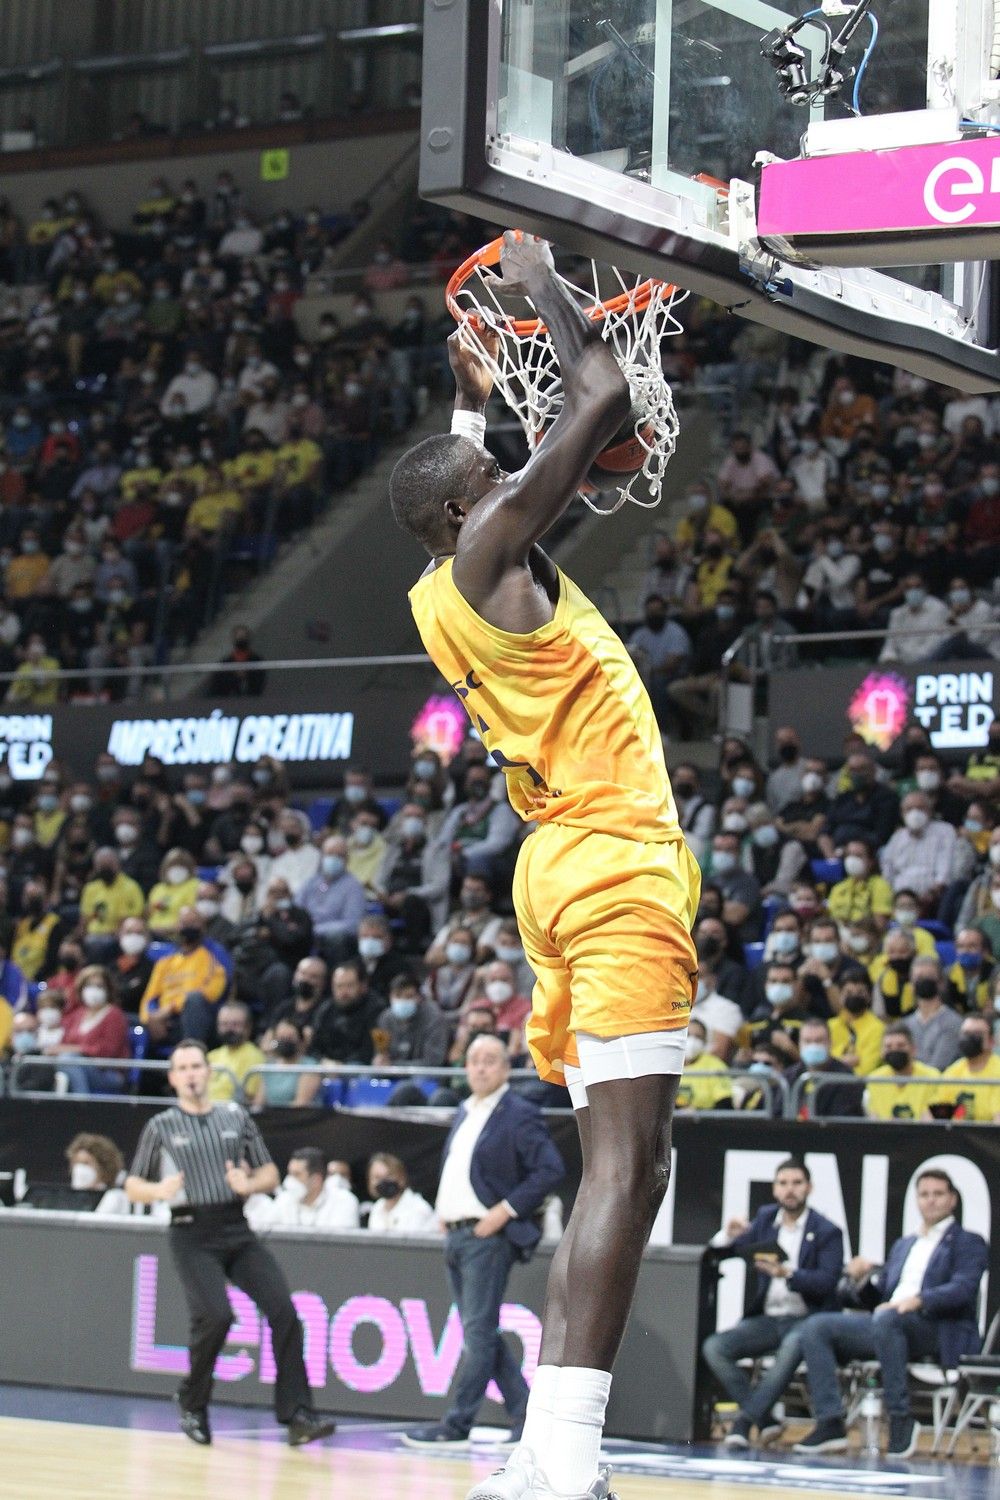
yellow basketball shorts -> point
(606, 926)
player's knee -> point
(215, 1324)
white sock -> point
(541, 1402)
(569, 1461)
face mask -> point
(508, 953)
(995, 897)
(283, 903)
(725, 612)
(723, 860)
(252, 843)
(364, 836)
(906, 916)
(287, 1047)
(812, 781)
(835, 550)
(972, 825)
(969, 961)
(413, 828)
(498, 991)
(734, 822)
(784, 941)
(880, 492)
(882, 542)
(814, 1054)
(126, 833)
(424, 769)
(132, 943)
(928, 781)
(925, 988)
(49, 1015)
(82, 1176)
(824, 953)
(403, 1010)
(856, 1004)
(354, 794)
(458, 954)
(207, 909)
(333, 865)
(21, 838)
(915, 819)
(959, 598)
(766, 836)
(177, 874)
(48, 802)
(94, 995)
(995, 854)
(778, 993)
(856, 866)
(244, 886)
(898, 1059)
(990, 486)
(761, 1069)
(693, 1047)
(971, 1045)
(24, 1041)
(305, 989)
(231, 1038)
(371, 947)
(914, 597)
(389, 1189)
(471, 901)
(189, 934)
(294, 1188)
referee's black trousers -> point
(218, 1245)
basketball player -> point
(605, 888)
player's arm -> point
(500, 531)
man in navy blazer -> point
(927, 1308)
(788, 1289)
(498, 1168)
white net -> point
(634, 317)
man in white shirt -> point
(499, 1167)
(397, 1208)
(307, 1199)
(795, 1279)
(918, 856)
(196, 385)
(918, 628)
(925, 1302)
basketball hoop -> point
(634, 321)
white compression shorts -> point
(606, 1059)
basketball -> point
(621, 460)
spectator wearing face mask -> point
(805, 817)
(480, 831)
(176, 888)
(236, 682)
(906, 915)
(96, 1165)
(891, 974)
(977, 1062)
(968, 618)
(740, 890)
(208, 904)
(475, 914)
(413, 877)
(862, 939)
(396, 1207)
(236, 1053)
(94, 1029)
(510, 1009)
(378, 952)
(269, 946)
(449, 984)
(968, 979)
(334, 899)
(35, 683)
(669, 576)
(774, 863)
(300, 859)
(721, 1017)
(784, 782)
(724, 975)
(862, 892)
(826, 967)
(139, 854)
(358, 790)
(919, 855)
(38, 933)
(989, 923)
(856, 1032)
(290, 1088)
(934, 1026)
(244, 888)
(307, 1199)
(662, 652)
(976, 900)
(918, 626)
(366, 849)
(131, 965)
(866, 810)
(784, 1008)
(185, 987)
(307, 992)
(417, 1031)
(695, 813)
(816, 1057)
(928, 777)
(696, 697)
(700, 1087)
(905, 1088)
(109, 897)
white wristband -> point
(470, 424)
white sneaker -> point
(521, 1479)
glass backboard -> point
(629, 130)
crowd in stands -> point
(165, 420)
(869, 502)
(849, 925)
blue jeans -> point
(478, 1271)
(82, 1080)
(751, 1337)
(890, 1337)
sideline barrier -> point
(381, 1336)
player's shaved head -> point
(439, 469)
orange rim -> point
(526, 328)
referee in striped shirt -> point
(204, 1159)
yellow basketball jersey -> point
(561, 709)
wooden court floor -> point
(40, 1460)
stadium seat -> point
(946, 952)
(772, 905)
(331, 1092)
(318, 811)
(390, 805)
(209, 872)
(829, 871)
(936, 929)
(754, 954)
(368, 1093)
(158, 950)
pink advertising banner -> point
(943, 186)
